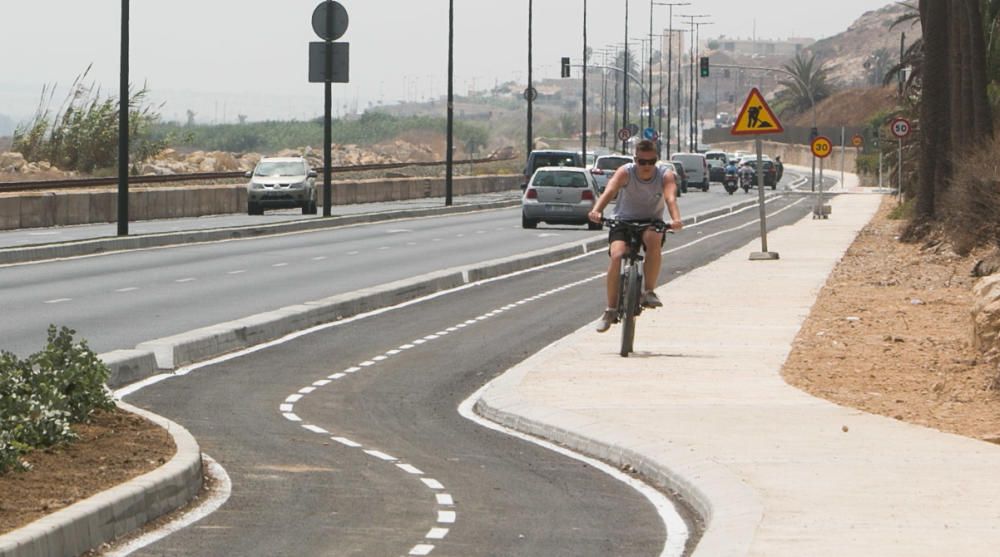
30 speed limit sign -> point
(901, 127)
(822, 147)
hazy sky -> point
(222, 58)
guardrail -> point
(36, 185)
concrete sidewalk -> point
(702, 408)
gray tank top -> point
(640, 200)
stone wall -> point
(986, 315)
(60, 208)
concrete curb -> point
(729, 529)
(43, 252)
(169, 353)
(117, 511)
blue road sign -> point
(649, 133)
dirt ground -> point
(889, 334)
(115, 448)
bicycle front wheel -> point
(633, 290)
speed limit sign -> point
(901, 127)
(822, 147)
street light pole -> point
(584, 134)
(530, 89)
(670, 61)
(450, 156)
(625, 81)
(650, 99)
(123, 114)
(697, 89)
(691, 77)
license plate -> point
(559, 208)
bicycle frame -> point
(631, 277)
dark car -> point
(544, 158)
(681, 175)
(770, 171)
(716, 170)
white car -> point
(605, 167)
(279, 183)
(696, 167)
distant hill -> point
(868, 40)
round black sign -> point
(530, 94)
(319, 21)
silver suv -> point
(281, 182)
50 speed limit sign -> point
(901, 127)
(822, 147)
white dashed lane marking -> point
(237, 272)
(188, 279)
(280, 265)
(128, 289)
(58, 301)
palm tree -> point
(808, 85)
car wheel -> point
(528, 223)
(704, 187)
(254, 209)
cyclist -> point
(643, 189)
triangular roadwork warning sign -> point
(756, 117)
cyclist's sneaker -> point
(609, 318)
(651, 300)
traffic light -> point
(704, 66)
(565, 67)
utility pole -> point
(123, 114)
(450, 156)
(529, 92)
(625, 81)
(584, 134)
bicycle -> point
(631, 278)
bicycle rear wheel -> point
(632, 281)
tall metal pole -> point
(604, 103)
(650, 98)
(691, 80)
(530, 83)
(625, 69)
(123, 114)
(584, 134)
(328, 118)
(450, 156)
(670, 73)
(680, 88)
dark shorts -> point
(620, 235)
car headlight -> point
(256, 186)
(297, 186)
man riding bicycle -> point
(643, 189)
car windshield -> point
(553, 160)
(559, 180)
(612, 163)
(290, 168)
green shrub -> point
(42, 395)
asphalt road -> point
(343, 441)
(121, 299)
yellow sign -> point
(822, 147)
(756, 117)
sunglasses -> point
(645, 162)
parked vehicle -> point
(770, 171)
(682, 180)
(605, 167)
(696, 167)
(542, 158)
(559, 196)
(280, 183)
(717, 155)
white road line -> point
(353, 252)
(369, 363)
(237, 272)
(283, 408)
(188, 279)
(58, 301)
(406, 347)
(441, 333)
(307, 390)
(321, 383)
(432, 483)
(319, 258)
(437, 533)
(431, 337)
(352, 369)
(336, 376)
(280, 265)
(347, 442)
(419, 341)
(380, 455)
(128, 289)
(316, 429)
(380, 358)
(447, 517)
(410, 469)
(291, 417)
(422, 549)
(293, 398)
(451, 329)
(393, 352)
(444, 499)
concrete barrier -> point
(61, 208)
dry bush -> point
(971, 204)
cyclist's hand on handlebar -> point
(595, 217)
(675, 226)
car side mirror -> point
(312, 174)
(248, 174)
